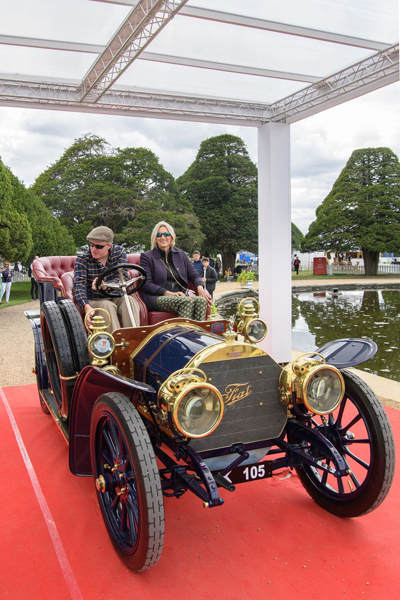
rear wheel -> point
(76, 334)
(127, 481)
(360, 431)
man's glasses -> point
(164, 233)
(97, 246)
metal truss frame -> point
(142, 24)
(377, 71)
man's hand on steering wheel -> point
(120, 288)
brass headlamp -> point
(101, 344)
(318, 385)
(250, 326)
(196, 407)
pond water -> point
(320, 317)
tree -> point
(221, 185)
(27, 227)
(297, 237)
(15, 231)
(363, 209)
(126, 189)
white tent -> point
(259, 63)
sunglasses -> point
(97, 246)
(164, 233)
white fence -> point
(19, 276)
(359, 270)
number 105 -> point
(254, 472)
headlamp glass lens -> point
(324, 391)
(256, 330)
(101, 345)
(199, 411)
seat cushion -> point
(156, 316)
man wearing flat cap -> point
(102, 255)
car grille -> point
(253, 410)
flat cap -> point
(102, 234)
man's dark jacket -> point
(211, 277)
(157, 274)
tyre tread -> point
(151, 478)
(390, 455)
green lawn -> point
(20, 293)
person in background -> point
(218, 266)
(296, 264)
(168, 274)
(209, 276)
(198, 265)
(212, 262)
(6, 276)
(34, 285)
(102, 255)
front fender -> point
(40, 360)
(348, 352)
(92, 382)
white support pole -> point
(274, 244)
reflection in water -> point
(372, 314)
(320, 317)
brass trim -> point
(68, 378)
(223, 351)
(100, 360)
(246, 331)
(309, 376)
(178, 399)
(256, 307)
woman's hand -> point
(204, 294)
(167, 293)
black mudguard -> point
(91, 383)
(348, 352)
(40, 361)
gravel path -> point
(16, 345)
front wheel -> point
(360, 431)
(127, 481)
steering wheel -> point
(120, 288)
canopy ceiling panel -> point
(359, 18)
(72, 20)
(234, 61)
(207, 40)
(205, 83)
(45, 63)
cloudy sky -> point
(31, 140)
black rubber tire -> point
(58, 350)
(372, 475)
(135, 518)
(42, 380)
(76, 333)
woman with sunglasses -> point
(6, 276)
(102, 255)
(168, 274)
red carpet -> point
(269, 540)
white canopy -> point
(233, 61)
(260, 63)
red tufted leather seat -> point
(59, 270)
